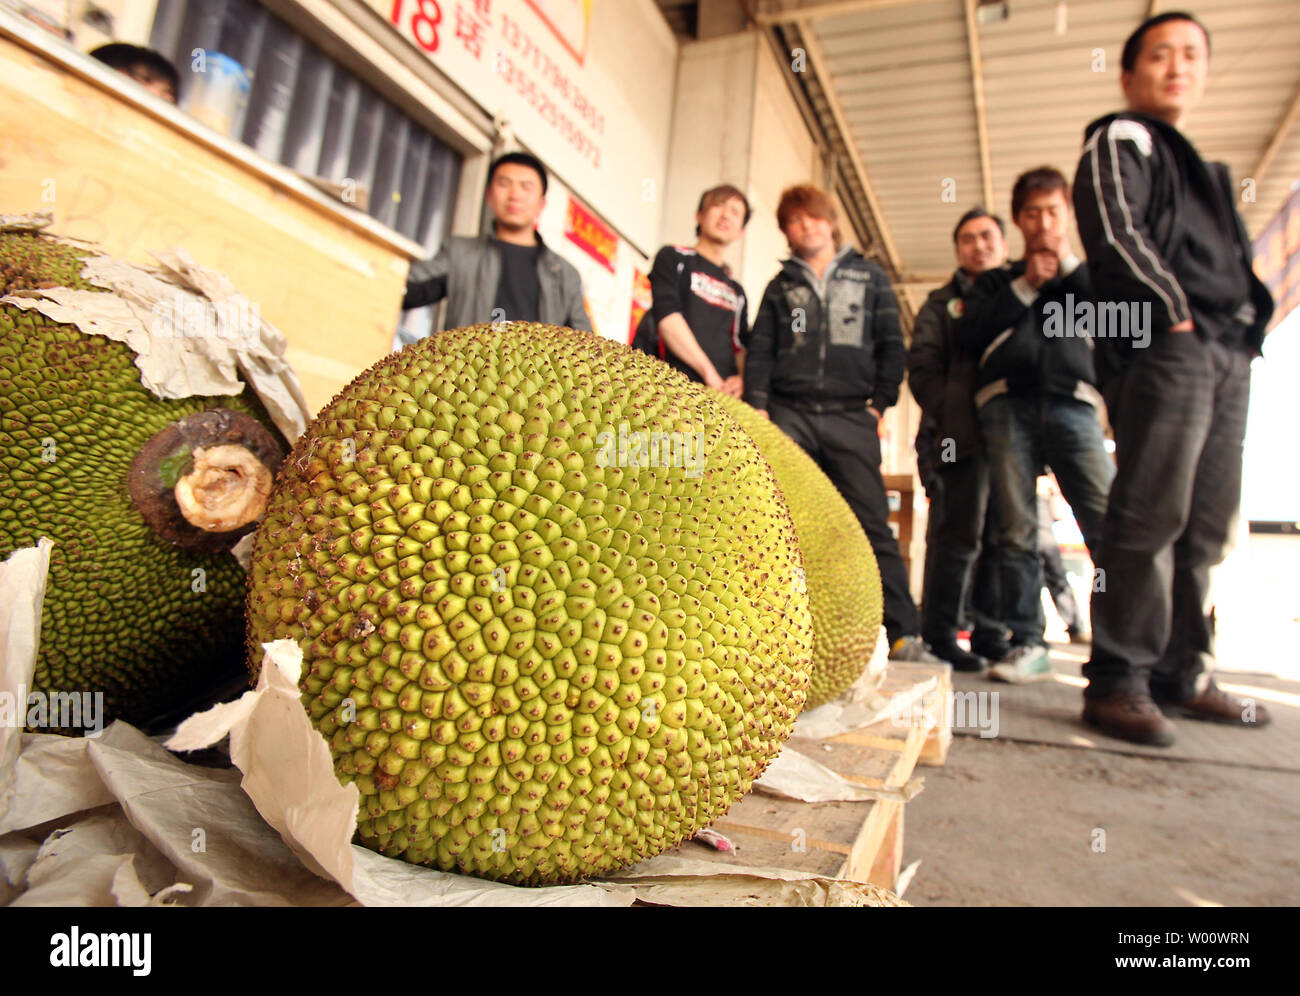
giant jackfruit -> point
(842, 577)
(143, 601)
(546, 593)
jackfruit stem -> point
(228, 488)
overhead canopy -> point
(934, 107)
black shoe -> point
(992, 650)
(958, 658)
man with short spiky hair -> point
(508, 274)
(1162, 233)
(825, 359)
(699, 312)
(1038, 404)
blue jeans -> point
(1024, 435)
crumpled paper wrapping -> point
(34, 222)
(120, 821)
(677, 880)
(22, 596)
(192, 333)
(797, 776)
(860, 704)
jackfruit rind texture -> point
(540, 649)
(842, 576)
(148, 625)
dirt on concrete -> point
(1006, 824)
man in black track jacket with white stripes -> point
(1163, 238)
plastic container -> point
(218, 90)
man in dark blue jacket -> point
(1030, 327)
(825, 359)
(1164, 239)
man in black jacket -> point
(825, 358)
(1029, 326)
(1163, 236)
(942, 377)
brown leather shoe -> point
(1218, 706)
(1131, 716)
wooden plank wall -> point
(116, 174)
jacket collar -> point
(488, 237)
(796, 267)
(1171, 135)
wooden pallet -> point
(859, 841)
(922, 696)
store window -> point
(307, 111)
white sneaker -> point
(912, 650)
(1023, 664)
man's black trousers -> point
(961, 531)
(847, 449)
(1178, 409)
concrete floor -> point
(1016, 822)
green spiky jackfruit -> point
(842, 577)
(126, 613)
(546, 595)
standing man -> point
(941, 375)
(1162, 233)
(825, 359)
(699, 312)
(1038, 404)
(510, 274)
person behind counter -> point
(150, 69)
(509, 274)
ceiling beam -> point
(1280, 134)
(977, 92)
(828, 8)
(817, 63)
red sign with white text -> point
(496, 57)
(591, 234)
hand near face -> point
(1041, 265)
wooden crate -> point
(922, 696)
(859, 841)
